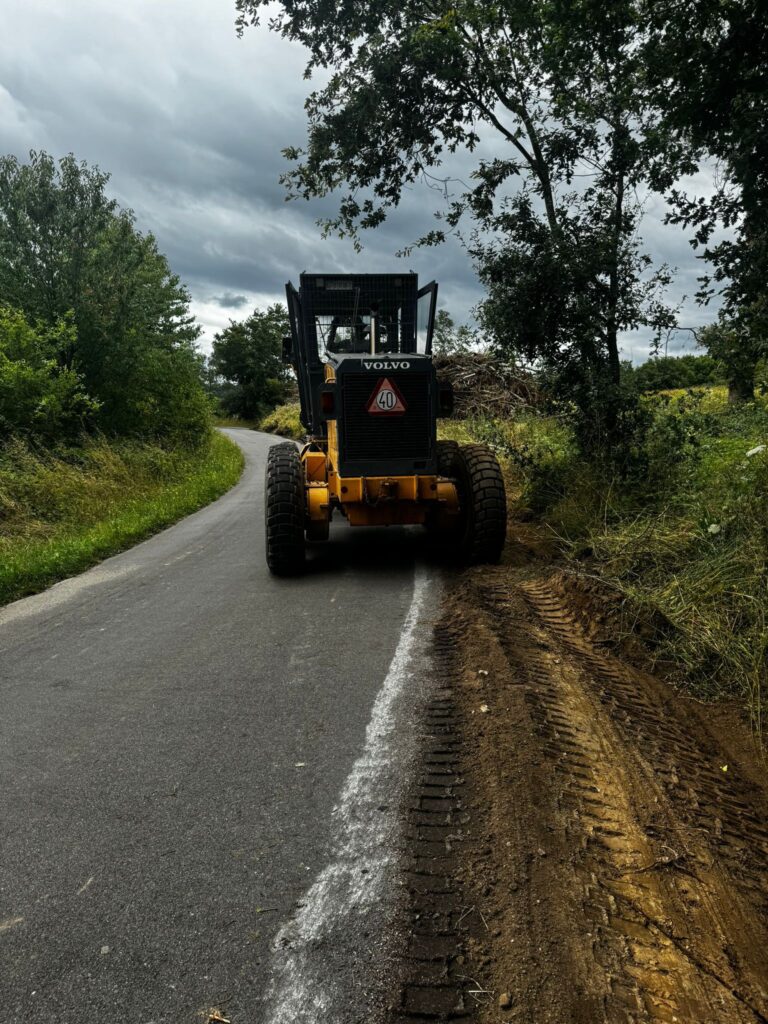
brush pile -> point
(485, 386)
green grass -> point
(695, 560)
(61, 513)
(686, 542)
(714, 397)
(284, 420)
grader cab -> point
(370, 399)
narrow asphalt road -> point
(176, 729)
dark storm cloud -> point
(230, 301)
(191, 122)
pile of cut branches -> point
(484, 386)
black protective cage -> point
(338, 316)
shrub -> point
(665, 372)
(284, 420)
(38, 396)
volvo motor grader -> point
(370, 399)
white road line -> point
(366, 819)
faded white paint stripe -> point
(366, 819)
(10, 922)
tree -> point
(67, 248)
(725, 343)
(706, 64)
(248, 356)
(448, 339)
(558, 92)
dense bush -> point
(674, 372)
(284, 420)
(38, 396)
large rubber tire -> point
(445, 451)
(284, 511)
(482, 527)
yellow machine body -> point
(370, 399)
(369, 500)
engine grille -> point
(368, 437)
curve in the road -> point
(177, 728)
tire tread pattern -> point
(481, 487)
(284, 510)
(446, 453)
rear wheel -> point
(482, 526)
(445, 451)
(284, 510)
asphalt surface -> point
(176, 727)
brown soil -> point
(584, 844)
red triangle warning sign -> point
(386, 399)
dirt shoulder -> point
(583, 844)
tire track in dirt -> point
(436, 922)
(615, 871)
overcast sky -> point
(190, 121)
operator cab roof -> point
(366, 314)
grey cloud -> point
(191, 122)
(230, 301)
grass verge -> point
(62, 512)
(685, 544)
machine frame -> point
(370, 400)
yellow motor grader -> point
(361, 345)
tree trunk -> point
(612, 334)
(618, 159)
(614, 362)
(741, 388)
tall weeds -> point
(62, 511)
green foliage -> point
(61, 513)
(699, 566)
(664, 372)
(67, 249)
(540, 449)
(558, 300)
(561, 89)
(247, 358)
(284, 421)
(737, 352)
(448, 339)
(38, 396)
(678, 427)
(705, 62)
(686, 540)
